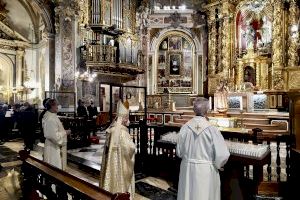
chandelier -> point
(85, 76)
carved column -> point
(277, 46)
(212, 33)
(258, 72)
(240, 73)
(226, 38)
(293, 40)
(66, 28)
(264, 74)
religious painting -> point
(186, 45)
(175, 43)
(161, 58)
(254, 26)
(249, 75)
(164, 45)
(175, 64)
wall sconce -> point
(294, 31)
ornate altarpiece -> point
(256, 36)
(13, 72)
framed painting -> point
(175, 43)
(175, 64)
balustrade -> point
(98, 53)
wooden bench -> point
(39, 178)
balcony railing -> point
(100, 54)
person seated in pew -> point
(55, 151)
(117, 167)
(203, 151)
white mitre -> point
(122, 110)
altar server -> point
(117, 168)
(203, 151)
(55, 151)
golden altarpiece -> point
(254, 42)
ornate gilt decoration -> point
(277, 46)
(212, 33)
(293, 57)
(226, 38)
(294, 80)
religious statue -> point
(249, 36)
(221, 97)
(144, 18)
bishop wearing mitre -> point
(117, 168)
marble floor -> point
(146, 187)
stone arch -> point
(6, 77)
(46, 11)
(162, 34)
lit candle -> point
(241, 103)
(210, 103)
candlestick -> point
(210, 103)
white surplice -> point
(203, 151)
(55, 150)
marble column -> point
(293, 58)
(19, 68)
(50, 61)
(66, 28)
(277, 46)
(212, 33)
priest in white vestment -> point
(117, 167)
(55, 150)
(203, 151)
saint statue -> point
(221, 97)
(117, 167)
(249, 36)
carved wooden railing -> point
(98, 53)
(146, 136)
(42, 179)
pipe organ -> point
(109, 13)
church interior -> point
(157, 57)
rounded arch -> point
(6, 76)
(185, 33)
(46, 11)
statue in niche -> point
(249, 75)
(249, 36)
(221, 97)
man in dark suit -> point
(81, 109)
(92, 110)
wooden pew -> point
(40, 176)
